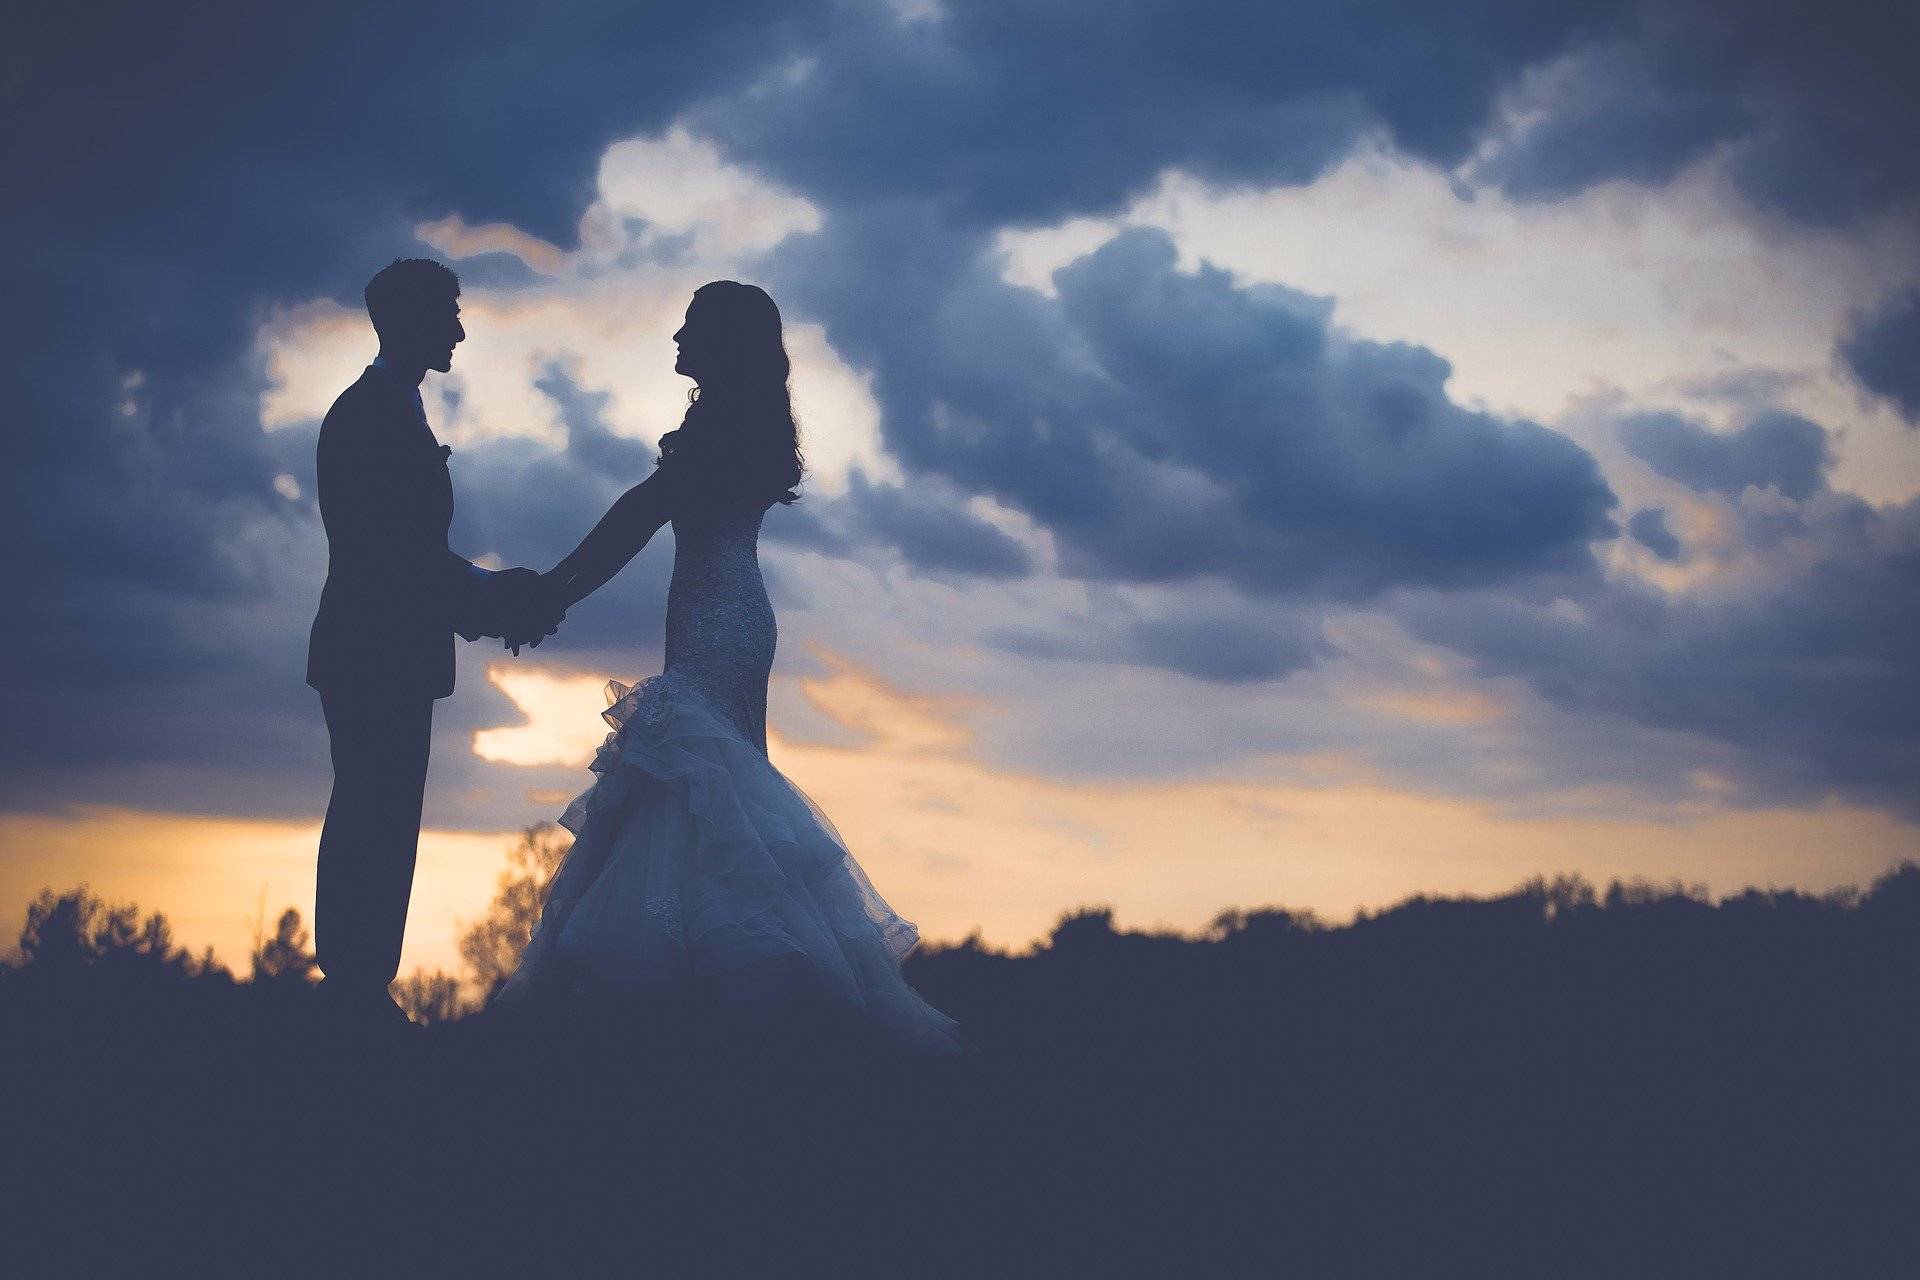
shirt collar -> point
(380, 363)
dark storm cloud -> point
(1167, 425)
(1620, 110)
(808, 525)
(1779, 450)
(1649, 528)
(1883, 350)
(1814, 680)
(1232, 642)
(1815, 99)
(1226, 651)
(933, 532)
(1023, 113)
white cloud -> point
(562, 711)
(313, 352)
(679, 185)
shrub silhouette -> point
(286, 956)
(76, 931)
(430, 997)
(492, 947)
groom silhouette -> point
(381, 650)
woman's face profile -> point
(694, 341)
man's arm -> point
(472, 588)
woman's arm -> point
(628, 526)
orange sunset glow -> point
(971, 848)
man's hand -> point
(535, 611)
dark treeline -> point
(1561, 1081)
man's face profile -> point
(440, 332)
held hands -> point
(526, 610)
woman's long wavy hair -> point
(739, 430)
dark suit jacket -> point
(395, 592)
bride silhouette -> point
(698, 871)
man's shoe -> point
(364, 1008)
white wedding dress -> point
(694, 860)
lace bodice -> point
(720, 627)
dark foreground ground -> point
(1542, 1085)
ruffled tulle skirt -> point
(697, 866)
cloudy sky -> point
(1283, 453)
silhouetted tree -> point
(66, 933)
(1560, 894)
(1260, 924)
(286, 956)
(206, 965)
(1089, 927)
(1640, 892)
(493, 946)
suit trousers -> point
(372, 833)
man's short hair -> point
(406, 288)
